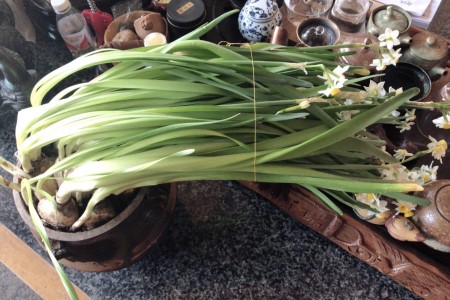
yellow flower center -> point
(441, 147)
(446, 125)
(403, 209)
(408, 214)
(335, 91)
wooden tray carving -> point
(368, 242)
(420, 269)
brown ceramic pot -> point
(115, 25)
(434, 219)
(118, 243)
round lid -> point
(317, 36)
(260, 10)
(391, 17)
(60, 6)
(318, 32)
(185, 13)
(443, 202)
(428, 46)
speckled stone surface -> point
(224, 242)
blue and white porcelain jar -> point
(257, 20)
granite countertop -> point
(224, 241)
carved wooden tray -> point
(422, 270)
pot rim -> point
(64, 236)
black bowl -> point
(406, 76)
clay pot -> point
(403, 229)
(120, 242)
(149, 23)
(393, 17)
(127, 21)
(434, 219)
(428, 51)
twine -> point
(227, 44)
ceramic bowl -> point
(406, 75)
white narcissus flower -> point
(335, 80)
(392, 57)
(405, 208)
(396, 91)
(410, 115)
(428, 173)
(375, 89)
(380, 206)
(415, 176)
(301, 66)
(366, 198)
(346, 114)
(338, 74)
(355, 97)
(330, 91)
(395, 172)
(402, 154)
(389, 38)
(437, 148)
(348, 102)
(404, 126)
(395, 113)
(378, 64)
(443, 122)
(304, 104)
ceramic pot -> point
(429, 52)
(118, 243)
(434, 219)
(393, 17)
(128, 19)
(257, 20)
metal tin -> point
(184, 16)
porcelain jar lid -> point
(260, 10)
